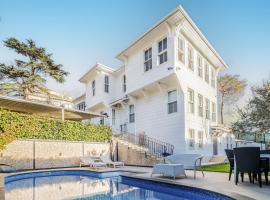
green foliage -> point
(255, 117)
(28, 75)
(16, 125)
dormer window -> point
(162, 51)
(181, 50)
(190, 58)
(148, 59)
(93, 88)
(106, 84)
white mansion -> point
(166, 87)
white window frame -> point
(181, 50)
(172, 104)
(148, 59)
(200, 105)
(206, 72)
(200, 139)
(106, 84)
(191, 108)
(131, 113)
(163, 53)
(214, 112)
(93, 87)
(190, 58)
(124, 83)
(200, 65)
(191, 138)
(213, 77)
(113, 116)
(207, 108)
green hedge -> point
(16, 125)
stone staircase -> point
(139, 150)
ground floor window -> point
(191, 138)
(172, 101)
(131, 114)
(200, 139)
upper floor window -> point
(200, 105)
(172, 101)
(191, 138)
(131, 114)
(200, 139)
(181, 50)
(81, 106)
(214, 112)
(191, 101)
(207, 108)
(106, 83)
(113, 116)
(148, 59)
(200, 66)
(93, 88)
(206, 72)
(162, 51)
(213, 78)
(124, 83)
(190, 58)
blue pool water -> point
(85, 185)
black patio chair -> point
(266, 151)
(248, 160)
(230, 156)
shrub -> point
(15, 125)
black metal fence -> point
(153, 146)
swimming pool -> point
(86, 185)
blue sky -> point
(80, 33)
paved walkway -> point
(213, 181)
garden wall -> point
(39, 154)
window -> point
(214, 113)
(191, 101)
(106, 84)
(124, 84)
(200, 139)
(162, 51)
(93, 87)
(191, 138)
(190, 58)
(181, 50)
(172, 101)
(113, 116)
(206, 72)
(200, 105)
(207, 109)
(131, 114)
(148, 59)
(213, 78)
(200, 67)
(81, 106)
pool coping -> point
(136, 175)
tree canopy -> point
(29, 75)
(255, 117)
(230, 87)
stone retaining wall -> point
(40, 154)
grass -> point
(224, 168)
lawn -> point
(225, 168)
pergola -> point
(45, 110)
